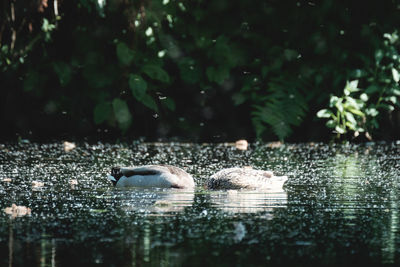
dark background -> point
(230, 69)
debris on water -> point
(6, 180)
(36, 184)
(17, 211)
(240, 232)
(73, 182)
(241, 144)
(276, 144)
(69, 146)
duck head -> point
(116, 174)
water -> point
(340, 207)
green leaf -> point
(378, 56)
(350, 118)
(392, 99)
(122, 113)
(364, 97)
(351, 87)
(339, 105)
(31, 81)
(169, 103)
(356, 111)
(324, 113)
(138, 86)
(102, 112)
(333, 100)
(189, 71)
(372, 112)
(149, 102)
(155, 72)
(395, 91)
(331, 124)
(372, 89)
(395, 74)
(386, 107)
(340, 129)
(124, 53)
(63, 71)
(218, 75)
(238, 99)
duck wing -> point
(142, 171)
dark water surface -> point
(340, 207)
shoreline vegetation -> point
(175, 71)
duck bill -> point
(112, 179)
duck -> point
(162, 176)
(246, 178)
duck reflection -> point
(155, 201)
(249, 201)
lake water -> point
(340, 207)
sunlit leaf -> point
(333, 100)
(396, 76)
(331, 124)
(364, 97)
(356, 112)
(340, 129)
(351, 87)
(349, 116)
(324, 113)
(372, 112)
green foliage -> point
(122, 113)
(102, 111)
(102, 61)
(124, 53)
(361, 110)
(346, 113)
(138, 86)
(282, 108)
(156, 72)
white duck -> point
(246, 178)
(165, 176)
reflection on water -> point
(340, 207)
(248, 201)
(153, 200)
